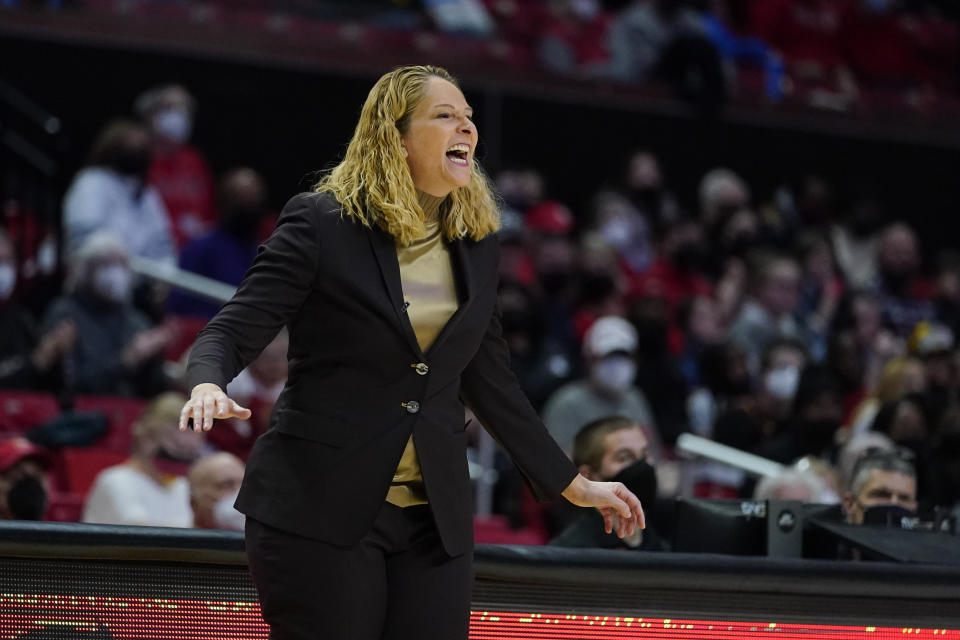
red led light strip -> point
(142, 618)
(490, 625)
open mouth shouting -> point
(459, 154)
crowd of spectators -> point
(839, 55)
(145, 193)
(797, 328)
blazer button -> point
(412, 407)
(421, 368)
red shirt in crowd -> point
(185, 183)
(663, 280)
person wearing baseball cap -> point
(23, 480)
(609, 350)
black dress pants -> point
(397, 583)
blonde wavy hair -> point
(373, 182)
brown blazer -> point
(359, 383)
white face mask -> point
(113, 282)
(781, 383)
(8, 280)
(174, 124)
(225, 516)
(614, 373)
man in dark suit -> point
(358, 500)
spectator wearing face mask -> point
(769, 311)
(613, 449)
(609, 348)
(111, 194)
(810, 429)
(679, 272)
(214, 484)
(178, 171)
(27, 361)
(150, 488)
(855, 238)
(783, 361)
(226, 252)
(23, 480)
(116, 351)
(884, 484)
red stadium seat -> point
(21, 410)
(713, 490)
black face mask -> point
(555, 281)
(596, 287)
(726, 211)
(641, 479)
(648, 200)
(171, 463)
(689, 257)
(897, 280)
(27, 499)
(741, 244)
(516, 321)
(652, 333)
(132, 162)
(818, 434)
(890, 515)
(242, 221)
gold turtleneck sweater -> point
(430, 292)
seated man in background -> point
(149, 488)
(214, 484)
(614, 449)
(883, 486)
(610, 351)
(116, 351)
(23, 480)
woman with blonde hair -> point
(358, 500)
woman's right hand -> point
(208, 401)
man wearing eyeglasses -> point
(883, 488)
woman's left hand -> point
(610, 498)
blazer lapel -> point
(385, 251)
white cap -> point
(608, 335)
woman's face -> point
(440, 140)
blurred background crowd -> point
(805, 320)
